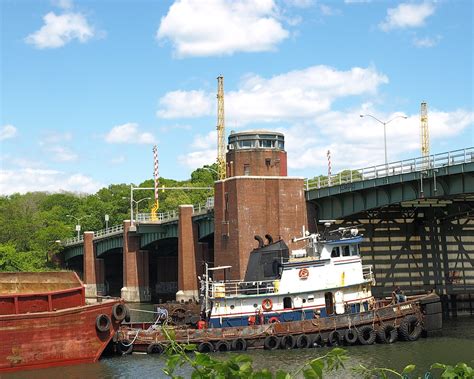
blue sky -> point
(87, 87)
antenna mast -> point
(425, 133)
(157, 182)
(220, 130)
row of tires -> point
(410, 329)
(103, 322)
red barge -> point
(46, 321)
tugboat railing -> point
(236, 287)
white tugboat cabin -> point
(324, 279)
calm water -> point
(455, 344)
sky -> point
(88, 87)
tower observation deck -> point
(256, 153)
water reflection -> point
(456, 344)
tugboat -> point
(46, 321)
(319, 295)
(325, 278)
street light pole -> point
(384, 123)
(78, 219)
(138, 202)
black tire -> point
(410, 328)
(335, 338)
(155, 348)
(103, 323)
(366, 335)
(387, 334)
(119, 311)
(239, 344)
(350, 336)
(287, 342)
(317, 340)
(303, 341)
(205, 347)
(222, 346)
(124, 347)
(271, 342)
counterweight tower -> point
(221, 163)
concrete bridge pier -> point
(136, 283)
(94, 273)
(187, 241)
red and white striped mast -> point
(157, 182)
(329, 166)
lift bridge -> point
(417, 217)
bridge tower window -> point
(246, 169)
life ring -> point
(267, 304)
(303, 273)
(103, 323)
(273, 320)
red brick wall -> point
(255, 205)
(261, 162)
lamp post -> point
(384, 130)
(138, 202)
(78, 220)
(106, 218)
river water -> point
(455, 344)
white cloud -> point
(298, 94)
(29, 180)
(182, 104)
(198, 159)
(129, 133)
(328, 11)
(63, 4)
(7, 131)
(62, 154)
(58, 30)
(221, 27)
(426, 41)
(407, 15)
(358, 142)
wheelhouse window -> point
(335, 253)
(345, 251)
(287, 302)
(354, 249)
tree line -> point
(32, 223)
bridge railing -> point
(144, 218)
(394, 168)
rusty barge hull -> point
(45, 321)
(426, 310)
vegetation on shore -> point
(32, 223)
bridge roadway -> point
(416, 214)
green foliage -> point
(461, 370)
(11, 260)
(31, 223)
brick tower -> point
(256, 198)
